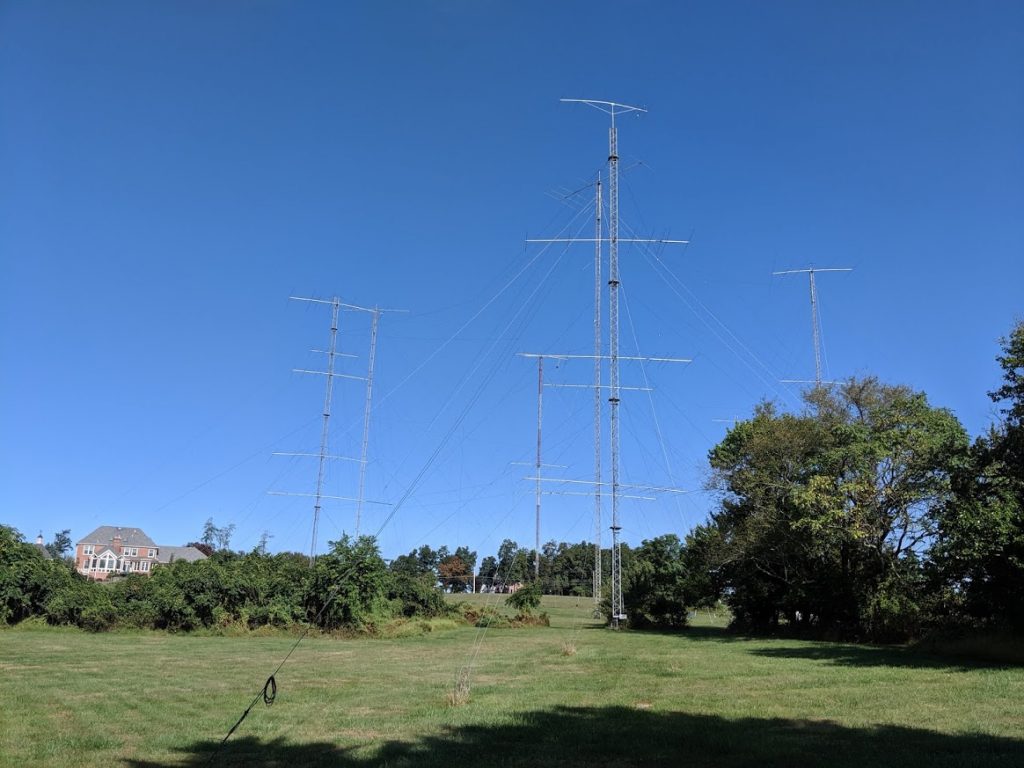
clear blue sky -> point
(172, 171)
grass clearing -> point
(700, 698)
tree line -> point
(867, 513)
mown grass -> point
(696, 698)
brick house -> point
(113, 549)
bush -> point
(525, 599)
(655, 592)
(349, 587)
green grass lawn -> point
(573, 694)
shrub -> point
(525, 599)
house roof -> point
(130, 537)
(43, 550)
(170, 554)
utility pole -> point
(815, 319)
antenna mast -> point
(323, 456)
(366, 415)
(540, 415)
(328, 396)
(597, 396)
(612, 108)
(815, 319)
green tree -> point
(702, 559)
(350, 586)
(217, 537)
(525, 599)
(567, 568)
(979, 551)
(655, 585)
(488, 571)
(513, 563)
(60, 545)
(820, 510)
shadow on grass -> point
(699, 632)
(573, 737)
(848, 655)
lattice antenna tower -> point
(337, 306)
(598, 571)
(815, 318)
(613, 109)
(374, 323)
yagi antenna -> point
(603, 233)
(337, 305)
(815, 320)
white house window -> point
(144, 565)
(152, 553)
(131, 551)
(108, 563)
(87, 549)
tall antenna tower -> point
(613, 109)
(330, 375)
(540, 418)
(815, 319)
(598, 204)
(375, 313)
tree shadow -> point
(718, 634)
(574, 737)
(848, 655)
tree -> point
(350, 585)
(825, 514)
(702, 558)
(525, 599)
(567, 568)
(60, 545)
(488, 570)
(979, 551)
(655, 589)
(265, 538)
(513, 563)
(454, 574)
(217, 538)
(456, 571)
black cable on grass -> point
(269, 693)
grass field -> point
(569, 695)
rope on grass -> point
(269, 693)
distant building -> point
(112, 549)
(42, 547)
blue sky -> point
(174, 171)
